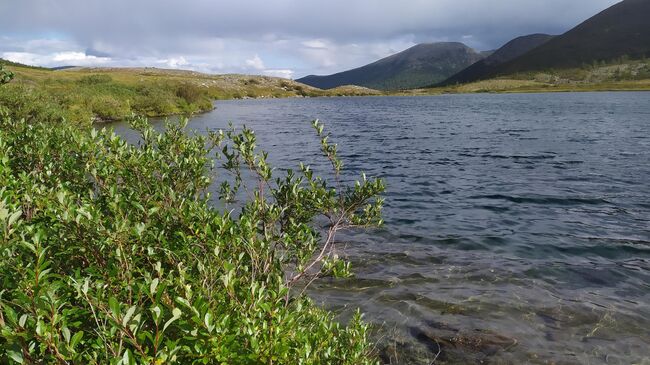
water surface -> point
(517, 226)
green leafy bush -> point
(95, 79)
(154, 100)
(111, 254)
(31, 104)
(194, 98)
(108, 107)
(5, 76)
(190, 92)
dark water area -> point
(517, 226)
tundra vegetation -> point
(621, 74)
(86, 95)
(113, 253)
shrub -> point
(108, 108)
(5, 75)
(31, 104)
(190, 92)
(111, 254)
(95, 79)
(300, 90)
(155, 100)
(251, 82)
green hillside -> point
(621, 31)
(507, 52)
(106, 94)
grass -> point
(622, 75)
(106, 94)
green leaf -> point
(156, 313)
(22, 320)
(127, 358)
(208, 321)
(11, 314)
(128, 315)
(76, 338)
(176, 314)
(114, 305)
(40, 327)
(14, 217)
(153, 286)
(66, 334)
(30, 246)
(84, 289)
(16, 356)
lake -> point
(517, 226)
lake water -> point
(517, 226)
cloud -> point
(56, 59)
(315, 43)
(94, 52)
(255, 63)
(315, 36)
(287, 74)
(326, 55)
(173, 62)
(76, 57)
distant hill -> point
(486, 67)
(622, 30)
(418, 66)
(58, 68)
(16, 64)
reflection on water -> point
(517, 226)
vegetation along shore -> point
(108, 94)
(98, 268)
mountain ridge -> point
(622, 30)
(509, 51)
(418, 66)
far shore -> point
(104, 95)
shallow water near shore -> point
(517, 226)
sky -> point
(286, 38)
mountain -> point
(622, 30)
(16, 64)
(487, 53)
(486, 67)
(418, 66)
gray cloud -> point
(303, 36)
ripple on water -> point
(543, 199)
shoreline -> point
(102, 96)
(400, 94)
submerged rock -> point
(451, 345)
